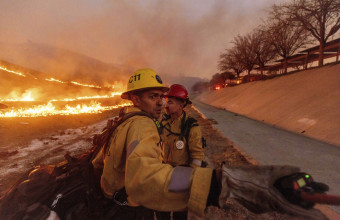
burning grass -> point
(20, 93)
(63, 107)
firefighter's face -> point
(151, 102)
(173, 106)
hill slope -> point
(306, 102)
(62, 63)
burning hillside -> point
(28, 93)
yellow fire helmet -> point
(143, 79)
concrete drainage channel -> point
(270, 145)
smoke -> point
(173, 37)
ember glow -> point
(49, 110)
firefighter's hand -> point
(292, 187)
(253, 187)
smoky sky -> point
(173, 37)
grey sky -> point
(173, 37)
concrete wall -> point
(306, 102)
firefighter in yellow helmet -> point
(136, 181)
(134, 162)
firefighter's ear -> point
(136, 100)
(183, 104)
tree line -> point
(289, 27)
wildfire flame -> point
(54, 80)
(27, 96)
(51, 79)
(75, 83)
(88, 97)
(80, 84)
(11, 71)
(49, 110)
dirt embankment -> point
(305, 102)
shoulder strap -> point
(102, 140)
(189, 123)
(186, 125)
(192, 122)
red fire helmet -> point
(178, 91)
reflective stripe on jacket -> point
(134, 161)
(191, 154)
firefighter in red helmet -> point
(181, 135)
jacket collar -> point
(177, 120)
(128, 109)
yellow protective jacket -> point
(134, 161)
(192, 154)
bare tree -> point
(230, 60)
(321, 18)
(246, 47)
(264, 49)
(286, 39)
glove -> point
(292, 186)
(253, 187)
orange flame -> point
(80, 84)
(54, 80)
(11, 71)
(27, 96)
(73, 82)
(49, 110)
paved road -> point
(270, 145)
